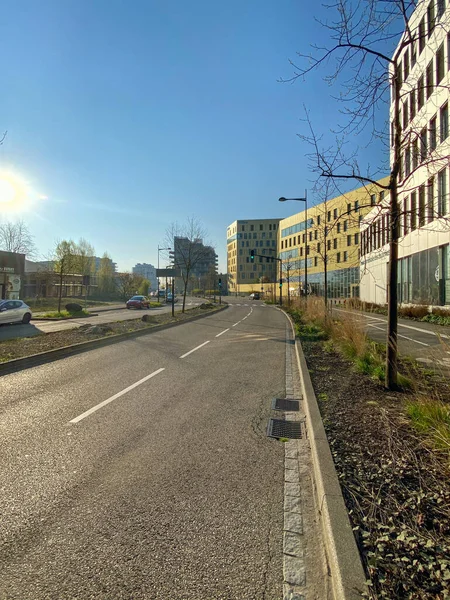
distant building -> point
(12, 269)
(260, 235)
(202, 259)
(149, 272)
(97, 263)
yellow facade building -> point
(331, 236)
(245, 276)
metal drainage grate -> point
(278, 428)
(285, 404)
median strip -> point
(105, 402)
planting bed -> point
(396, 489)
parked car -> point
(169, 298)
(255, 296)
(14, 311)
(162, 293)
(138, 302)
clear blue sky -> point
(124, 117)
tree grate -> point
(285, 404)
(278, 428)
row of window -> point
(251, 227)
(298, 240)
(425, 29)
(418, 209)
(427, 141)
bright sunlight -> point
(14, 193)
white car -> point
(14, 311)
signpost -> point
(169, 273)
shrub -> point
(73, 307)
(413, 312)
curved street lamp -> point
(305, 200)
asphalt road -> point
(429, 344)
(142, 469)
(37, 327)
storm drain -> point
(285, 404)
(278, 428)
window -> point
(412, 104)
(408, 161)
(405, 216)
(356, 205)
(430, 78)
(318, 246)
(431, 17)
(345, 256)
(304, 238)
(421, 35)
(413, 219)
(261, 227)
(338, 228)
(252, 227)
(335, 213)
(310, 236)
(345, 225)
(349, 208)
(373, 200)
(430, 199)
(433, 134)
(440, 8)
(290, 242)
(243, 227)
(356, 238)
(442, 193)
(413, 54)
(415, 154)
(421, 206)
(382, 196)
(315, 234)
(329, 216)
(440, 64)
(315, 261)
(423, 144)
(349, 240)
(298, 239)
(318, 219)
(398, 75)
(335, 243)
(301, 251)
(420, 92)
(443, 121)
(307, 250)
(405, 114)
(328, 244)
(338, 257)
(406, 64)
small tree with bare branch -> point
(16, 237)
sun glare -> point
(15, 196)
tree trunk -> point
(60, 290)
(184, 293)
(392, 348)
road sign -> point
(168, 272)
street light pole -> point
(305, 200)
(159, 250)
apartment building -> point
(244, 276)
(424, 223)
(201, 260)
(149, 272)
(330, 235)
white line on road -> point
(405, 337)
(197, 348)
(222, 332)
(105, 402)
(235, 324)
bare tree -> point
(16, 237)
(65, 263)
(189, 250)
(128, 284)
(360, 36)
(106, 276)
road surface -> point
(142, 469)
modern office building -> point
(330, 235)
(149, 272)
(424, 223)
(244, 276)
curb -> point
(348, 580)
(347, 573)
(63, 318)
(19, 364)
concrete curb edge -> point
(26, 362)
(347, 573)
